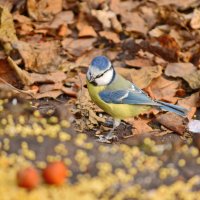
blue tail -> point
(179, 110)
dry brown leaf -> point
(104, 17)
(122, 7)
(191, 103)
(110, 36)
(87, 57)
(39, 57)
(64, 17)
(43, 10)
(159, 30)
(116, 24)
(179, 69)
(195, 21)
(31, 78)
(64, 31)
(49, 87)
(53, 77)
(193, 79)
(173, 122)
(79, 46)
(164, 46)
(84, 28)
(134, 23)
(87, 31)
(142, 77)
(139, 62)
(149, 14)
(140, 125)
(179, 3)
(51, 94)
(21, 18)
(7, 29)
(8, 74)
(163, 89)
(69, 91)
(22, 74)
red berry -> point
(55, 173)
(28, 178)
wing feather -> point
(128, 96)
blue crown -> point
(101, 62)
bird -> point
(119, 97)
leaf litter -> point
(47, 64)
(46, 47)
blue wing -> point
(128, 96)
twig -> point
(14, 88)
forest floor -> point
(46, 113)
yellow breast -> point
(117, 111)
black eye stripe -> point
(100, 75)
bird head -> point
(100, 71)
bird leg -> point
(110, 136)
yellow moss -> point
(181, 163)
(63, 136)
(82, 159)
(21, 119)
(61, 149)
(40, 139)
(65, 124)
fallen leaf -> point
(64, 17)
(87, 31)
(53, 77)
(64, 31)
(173, 122)
(49, 87)
(7, 29)
(116, 24)
(50, 94)
(193, 79)
(122, 7)
(43, 10)
(164, 46)
(85, 59)
(140, 126)
(149, 14)
(8, 74)
(139, 62)
(79, 46)
(178, 3)
(191, 103)
(110, 36)
(39, 57)
(69, 91)
(104, 17)
(194, 23)
(134, 23)
(31, 78)
(163, 89)
(179, 69)
(142, 77)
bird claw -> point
(109, 138)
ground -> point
(46, 113)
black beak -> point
(92, 79)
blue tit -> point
(119, 97)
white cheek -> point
(105, 79)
